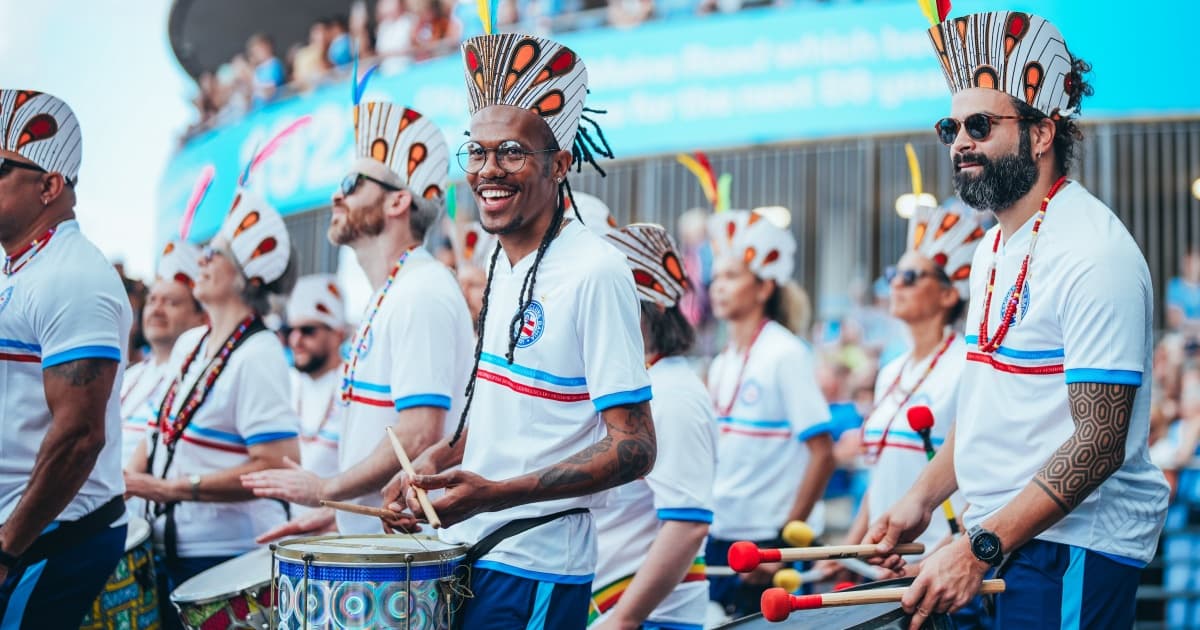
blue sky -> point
(111, 61)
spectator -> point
(394, 35)
(629, 13)
(340, 51)
(361, 33)
(269, 71)
(310, 64)
(1183, 296)
(435, 29)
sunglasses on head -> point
(978, 126)
(7, 165)
(351, 182)
(909, 277)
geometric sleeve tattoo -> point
(1097, 448)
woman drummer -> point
(929, 288)
(228, 410)
(774, 453)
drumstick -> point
(745, 556)
(360, 509)
(422, 498)
(777, 603)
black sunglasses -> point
(510, 156)
(307, 330)
(979, 126)
(8, 164)
(351, 182)
(909, 277)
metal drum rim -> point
(136, 523)
(200, 601)
(407, 558)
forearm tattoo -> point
(1096, 450)
(79, 373)
(630, 434)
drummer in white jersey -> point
(1049, 449)
(561, 395)
(929, 289)
(64, 320)
(651, 534)
(228, 409)
(170, 310)
(775, 453)
(411, 355)
(316, 324)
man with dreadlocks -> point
(560, 389)
(1049, 445)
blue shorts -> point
(57, 591)
(1061, 587)
(508, 602)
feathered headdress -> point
(42, 129)
(651, 255)
(767, 250)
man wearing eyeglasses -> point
(64, 320)
(410, 357)
(1050, 443)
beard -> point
(1001, 182)
(356, 224)
(313, 365)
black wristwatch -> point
(985, 545)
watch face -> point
(986, 546)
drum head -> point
(137, 532)
(370, 549)
(245, 572)
(864, 617)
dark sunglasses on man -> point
(351, 182)
(308, 330)
(7, 165)
(909, 277)
(978, 126)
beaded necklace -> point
(724, 410)
(987, 345)
(14, 263)
(173, 430)
(887, 428)
(360, 338)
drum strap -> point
(71, 533)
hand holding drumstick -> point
(406, 464)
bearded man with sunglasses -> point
(64, 320)
(411, 355)
(1049, 447)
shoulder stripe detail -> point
(1107, 377)
(979, 357)
(617, 399)
(82, 352)
(694, 515)
(1055, 353)
(423, 400)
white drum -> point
(233, 594)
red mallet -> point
(777, 604)
(745, 556)
(920, 418)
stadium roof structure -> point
(207, 33)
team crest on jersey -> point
(532, 324)
(751, 393)
(1020, 314)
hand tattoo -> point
(1097, 448)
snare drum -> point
(129, 598)
(863, 617)
(233, 594)
(367, 581)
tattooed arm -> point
(1095, 451)
(626, 453)
(77, 394)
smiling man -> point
(410, 357)
(560, 391)
(64, 319)
(1049, 449)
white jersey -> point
(579, 353)
(1084, 317)
(320, 420)
(142, 392)
(417, 353)
(761, 455)
(249, 404)
(678, 489)
(60, 303)
(900, 450)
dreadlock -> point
(584, 149)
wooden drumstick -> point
(422, 498)
(745, 556)
(777, 603)
(355, 508)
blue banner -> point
(758, 76)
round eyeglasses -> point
(510, 156)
